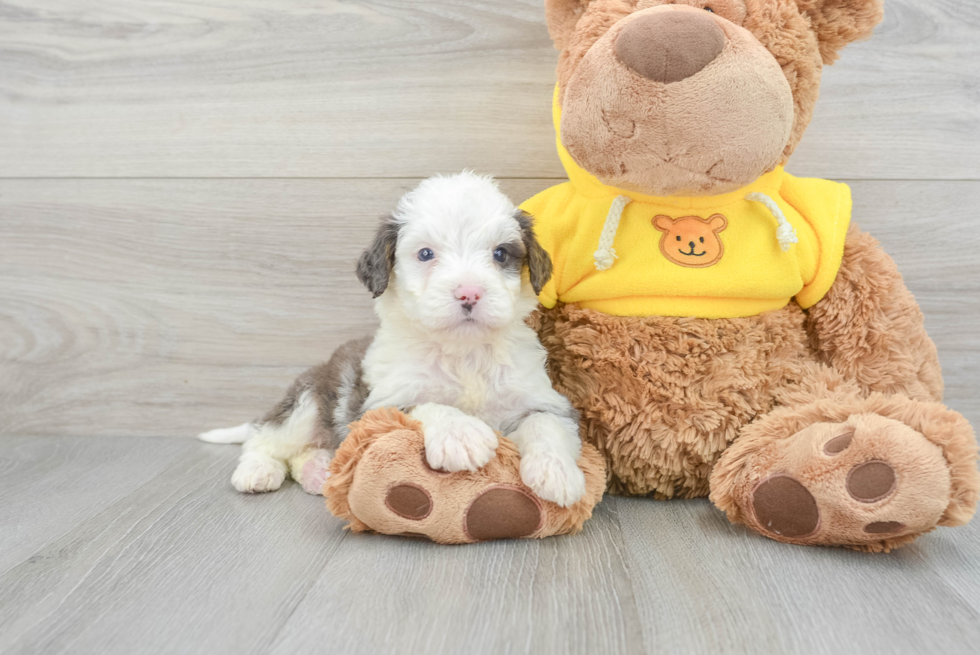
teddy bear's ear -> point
(840, 22)
(562, 15)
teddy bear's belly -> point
(662, 397)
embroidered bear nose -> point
(670, 46)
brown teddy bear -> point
(721, 326)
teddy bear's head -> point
(693, 97)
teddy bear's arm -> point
(870, 328)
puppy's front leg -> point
(455, 441)
(550, 448)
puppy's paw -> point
(315, 472)
(553, 477)
(459, 443)
(255, 475)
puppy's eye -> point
(500, 255)
(709, 9)
(426, 254)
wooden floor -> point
(184, 187)
(139, 544)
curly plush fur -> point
(663, 397)
(870, 328)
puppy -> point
(454, 272)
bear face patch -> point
(691, 241)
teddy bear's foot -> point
(396, 491)
(849, 483)
(872, 480)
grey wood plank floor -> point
(184, 188)
(173, 560)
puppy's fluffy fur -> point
(454, 272)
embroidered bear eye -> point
(678, 237)
(426, 254)
(702, 239)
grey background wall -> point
(184, 187)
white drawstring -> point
(605, 255)
(785, 233)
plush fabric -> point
(379, 481)
(839, 22)
(890, 352)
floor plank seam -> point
(267, 647)
(621, 551)
(47, 544)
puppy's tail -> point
(237, 434)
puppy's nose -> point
(670, 46)
(468, 295)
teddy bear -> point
(723, 327)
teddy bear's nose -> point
(670, 46)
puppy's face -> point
(453, 254)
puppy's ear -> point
(376, 263)
(538, 261)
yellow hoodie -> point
(724, 256)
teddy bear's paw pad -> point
(503, 513)
(839, 443)
(870, 479)
(409, 501)
(783, 506)
(884, 527)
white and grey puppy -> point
(447, 273)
